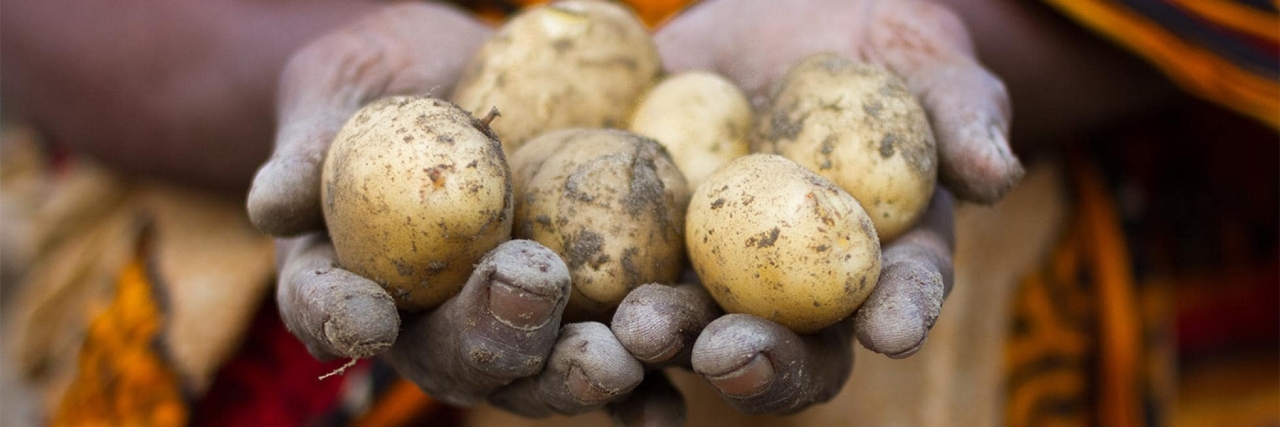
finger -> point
(334, 312)
(588, 369)
(968, 107)
(760, 366)
(658, 324)
(916, 276)
(401, 49)
(655, 403)
(499, 328)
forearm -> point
(182, 90)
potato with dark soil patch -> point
(611, 203)
(770, 238)
(577, 63)
(415, 191)
(857, 125)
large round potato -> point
(702, 118)
(578, 63)
(859, 126)
(772, 239)
(611, 203)
(415, 191)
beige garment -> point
(68, 233)
(955, 380)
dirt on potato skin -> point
(859, 126)
(564, 65)
(611, 203)
(415, 191)
(773, 239)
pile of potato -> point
(631, 176)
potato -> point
(858, 126)
(702, 119)
(770, 238)
(610, 203)
(415, 191)
(569, 64)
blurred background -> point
(1132, 279)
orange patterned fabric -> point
(1048, 354)
(401, 405)
(1074, 356)
(1224, 51)
(122, 379)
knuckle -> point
(499, 360)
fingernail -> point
(664, 354)
(908, 352)
(1001, 142)
(367, 324)
(649, 331)
(519, 309)
(749, 380)
(581, 388)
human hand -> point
(402, 49)
(757, 365)
(500, 338)
(923, 42)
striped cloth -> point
(1225, 51)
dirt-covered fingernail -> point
(664, 354)
(749, 380)
(518, 308)
(1001, 143)
(365, 326)
(907, 352)
(648, 328)
(581, 387)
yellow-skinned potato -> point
(702, 118)
(578, 63)
(770, 238)
(415, 191)
(610, 203)
(859, 126)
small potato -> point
(772, 239)
(611, 203)
(857, 125)
(577, 63)
(415, 191)
(702, 118)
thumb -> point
(323, 84)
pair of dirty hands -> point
(501, 339)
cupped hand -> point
(402, 49)
(755, 42)
(757, 365)
(500, 339)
